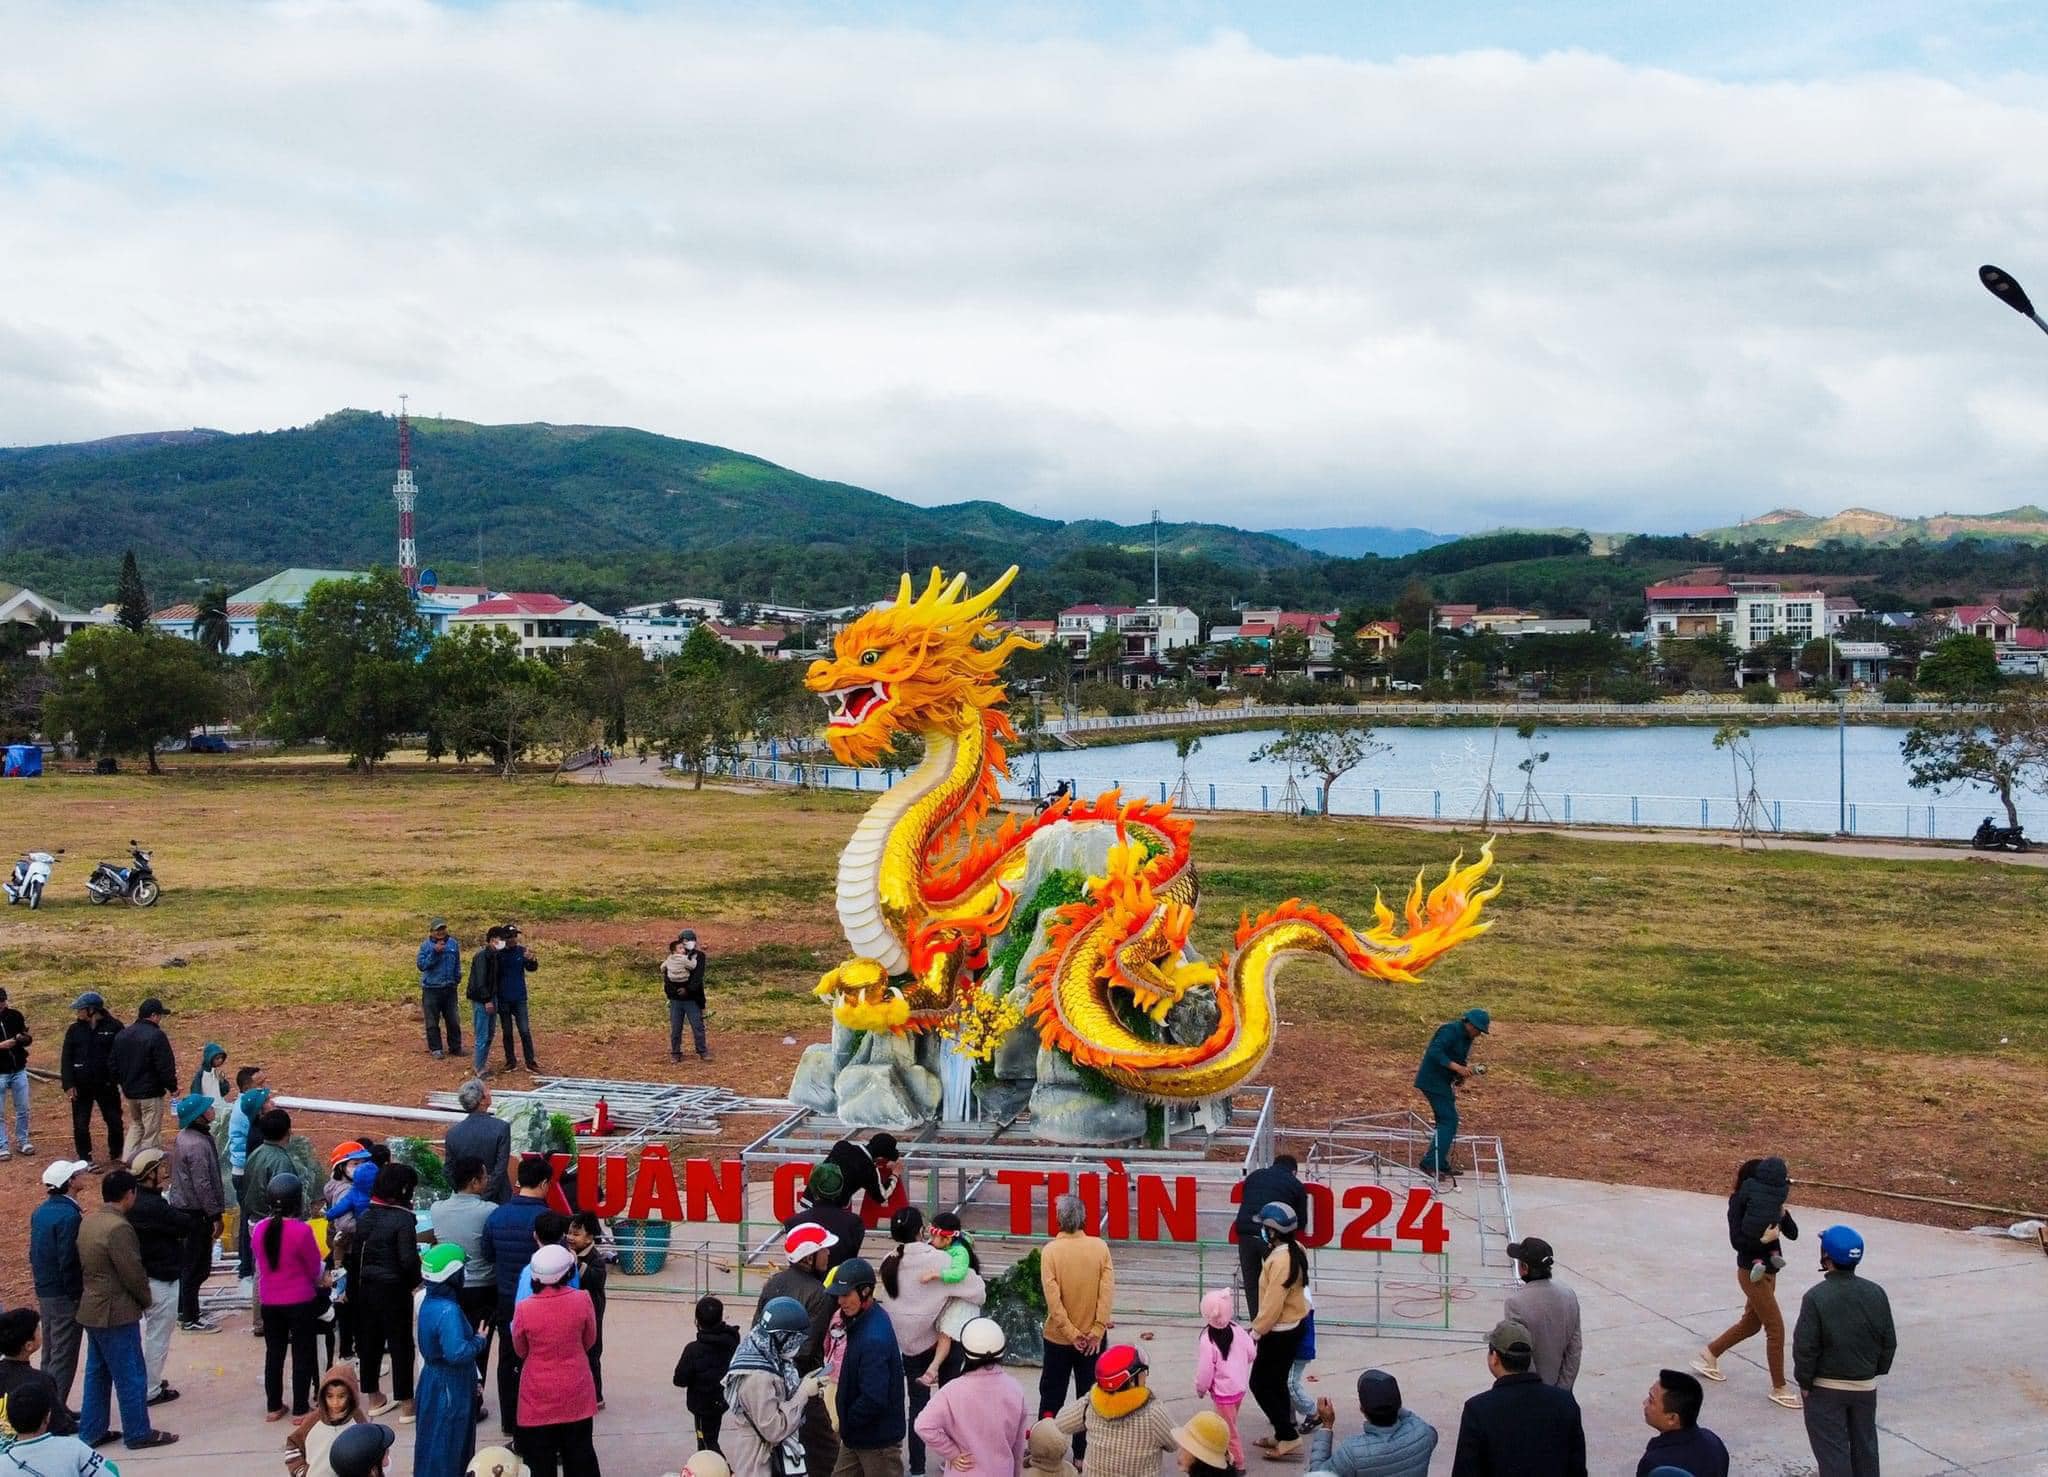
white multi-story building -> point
(1748, 613)
(655, 635)
(1154, 630)
(541, 622)
(1081, 624)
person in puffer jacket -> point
(1756, 1219)
(1223, 1364)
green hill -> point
(578, 500)
(1866, 526)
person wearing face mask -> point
(682, 981)
(766, 1396)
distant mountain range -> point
(229, 505)
(1357, 542)
(1866, 526)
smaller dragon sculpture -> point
(921, 892)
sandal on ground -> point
(1707, 1367)
(154, 1438)
(274, 1415)
(1788, 1397)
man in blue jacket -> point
(509, 1238)
(1443, 1069)
(440, 962)
(515, 963)
(872, 1419)
(59, 1278)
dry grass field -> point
(1661, 1011)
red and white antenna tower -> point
(405, 495)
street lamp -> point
(2000, 284)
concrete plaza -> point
(1655, 1279)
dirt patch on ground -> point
(1619, 1106)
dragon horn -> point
(977, 604)
(904, 598)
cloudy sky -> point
(1442, 264)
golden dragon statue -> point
(922, 889)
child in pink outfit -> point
(1223, 1365)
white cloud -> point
(1081, 277)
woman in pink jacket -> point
(552, 1332)
(1223, 1365)
(981, 1421)
(288, 1277)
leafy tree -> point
(1961, 667)
(1415, 608)
(131, 600)
(1897, 690)
(2033, 611)
(346, 666)
(1816, 657)
(602, 675)
(464, 672)
(124, 692)
(1759, 694)
(694, 717)
(1105, 654)
(1697, 661)
(511, 719)
(2004, 749)
(1325, 747)
(211, 625)
(1288, 651)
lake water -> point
(1667, 776)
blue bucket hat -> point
(1478, 1020)
(192, 1107)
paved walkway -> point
(1968, 1394)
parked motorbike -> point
(137, 884)
(1992, 837)
(31, 876)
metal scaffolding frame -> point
(1400, 1292)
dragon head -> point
(926, 663)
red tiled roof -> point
(1970, 615)
(1100, 610)
(517, 604)
(2026, 638)
(753, 634)
(1687, 592)
(237, 610)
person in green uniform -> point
(1443, 1069)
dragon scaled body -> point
(921, 892)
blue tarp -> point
(24, 761)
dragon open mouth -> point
(848, 706)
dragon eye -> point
(869, 657)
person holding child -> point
(1757, 1220)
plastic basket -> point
(643, 1247)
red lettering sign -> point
(1120, 1206)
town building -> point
(655, 635)
(1151, 631)
(542, 623)
(288, 588)
(24, 607)
(760, 640)
(1748, 612)
(1994, 623)
(1079, 625)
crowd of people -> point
(861, 1358)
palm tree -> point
(211, 624)
(2033, 613)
